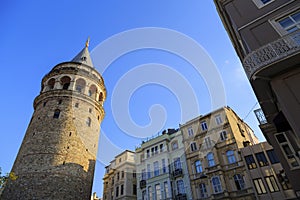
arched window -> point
(80, 85)
(198, 166)
(92, 91)
(239, 181)
(174, 145)
(51, 83)
(88, 121)
(56, 113)
(180, 187)
(230, 156)
(101, 96)
(216, 183)
(202, 190)
(210, 159)
(65, 82)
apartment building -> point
(266, 173)
(215, 166)
(162, 168)
(266, 37)
(120, 178)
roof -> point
(84, 56)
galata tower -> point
(57, 157)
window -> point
(88, 122)
(198, 166)
(148, 153)
(80, 85)
(230, 156)
(90, 110)
(271, 183)
(117, 191)
(167, 194)
(216, 183)
(261, 159)
(287, 149)
(250, 162)
(122, 190)
(239, 181)
(202, 190)
(210, 159)
(204, 126)
(92, 91)
(208, 143)
(262, 3)
(51, 83)
(65, 82)
(156, 168)
(190, 132)
(174, 145)
(223, 135)
(193, 146)
(180, 187)
(118, 175)
(144, 195)
(157, 191)
(150, 192)
(56, 114)
(134, 189)
(144, 174)
(272, 156)
(218, 119)
(149, 170)
(101, 96)
(290, 23)
(164, 168)
(156, 149)
(259, 186)
(177, 163)
(76, 105)
(122, 174)
(134, 174)
(161, 147)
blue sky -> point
(37, 35)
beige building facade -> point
(266, 173)
(215, 166)
(57, 157)
(120, 178)
(265, 35)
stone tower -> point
(58, 153)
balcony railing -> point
(272, 52)
(181, 197)
(177, 173)
(260, 116)
(143, 184)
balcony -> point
(143, 184)
(177, 173)
(286, 46)
(260, 116)
(199, 175)
(180, 197)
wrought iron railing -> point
(272, 52)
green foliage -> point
(3, 178)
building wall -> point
(209, 141)
(270, 53)
(280, 188)
(166, 176)
(120, 178)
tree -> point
(2, 179)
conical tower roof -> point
(84, 56)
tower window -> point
(44, 104)
(90, 110)
(60, 101)
(56, 114)
(51, 83)
(80, 85)
(92, 91)
(101, 96)
(88, 121)
(76, 105)
(65, 82)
